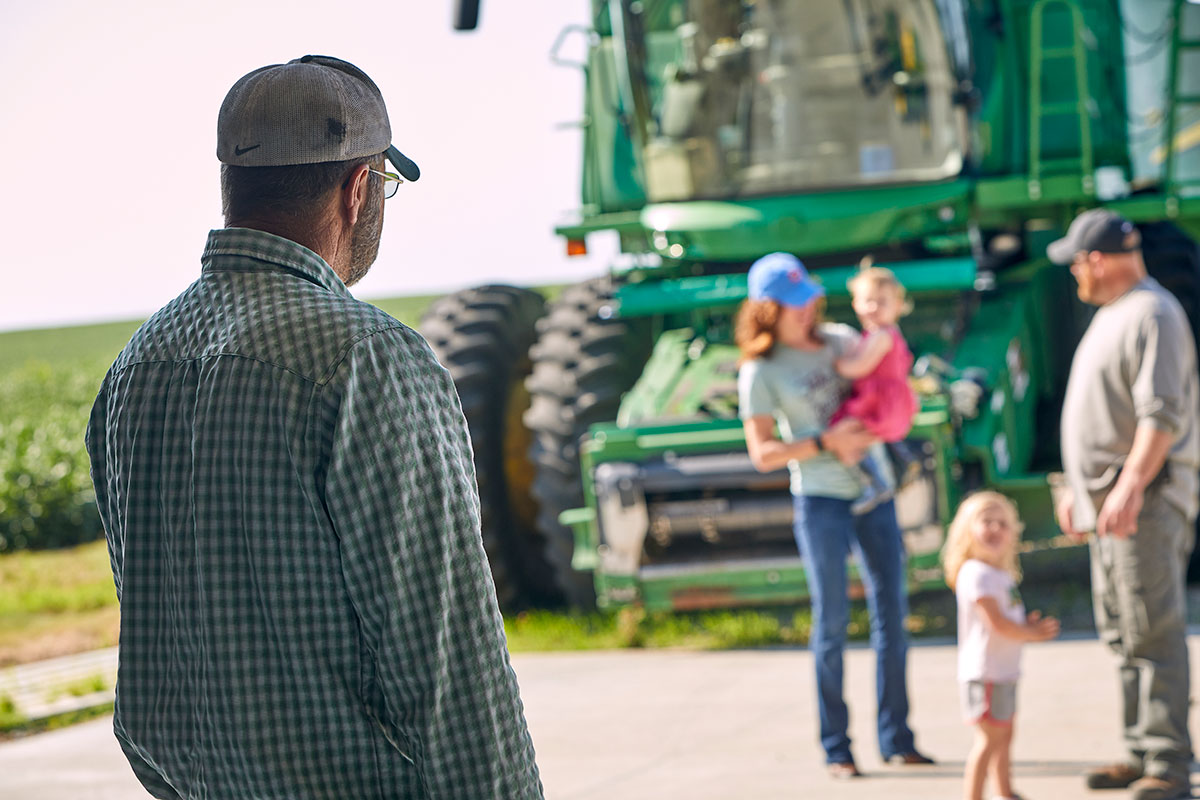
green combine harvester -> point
(949, 140)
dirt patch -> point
(52, 635)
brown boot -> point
(1112, 776)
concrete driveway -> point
(697, 725)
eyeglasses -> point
(391, 182)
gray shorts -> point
(984, 701)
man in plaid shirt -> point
(286, 484)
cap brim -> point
(803, 293)
(403, 164)
(1061, 251)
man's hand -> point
(848, 440)
(1039, 628)
(1118, 516)
(1064, 512)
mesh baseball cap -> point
(1097, 229)
(308, 111)
(781, 277)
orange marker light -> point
(576, 247)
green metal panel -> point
(714, 291)
(805, 224)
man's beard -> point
(364, 241)
(1086, 287)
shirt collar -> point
(245, 249)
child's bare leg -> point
(1001, 762)
(991, 742)
(977, 764)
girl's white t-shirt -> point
(983, 654)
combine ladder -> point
(1078, 107)
(1173, 185)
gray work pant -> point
(1138, 596)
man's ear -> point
(354, 195)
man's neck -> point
(306, 236)
(1119, 289)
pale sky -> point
(111, 181)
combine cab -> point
(947, 140)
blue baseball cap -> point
(782, 277)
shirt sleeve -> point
(96, 442)
(976, 581)
(966, 583)
(754, 395)
(1159, 379)
(401, 496)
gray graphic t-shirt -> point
(801, 389)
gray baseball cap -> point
(308, 111)
(1097, 229)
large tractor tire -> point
(482, 336)
(583, 361)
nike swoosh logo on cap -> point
(241, 151)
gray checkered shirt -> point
(286, 483)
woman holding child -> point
(790, 376)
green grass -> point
(16, 726)
(56, 602)
(534, 631)
(80, 688)
(56, 581)
(10, 717)
(406, 309)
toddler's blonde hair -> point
(958, 547)
(870, 276)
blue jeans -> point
(826, 532)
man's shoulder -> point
(1165, 303)
(1150, 297)
(383, 332)
(290, 325)
(1150, 303)
(353, 326)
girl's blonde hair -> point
(869, 276)
(959, 542)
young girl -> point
(980, 565)
(881, 398)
